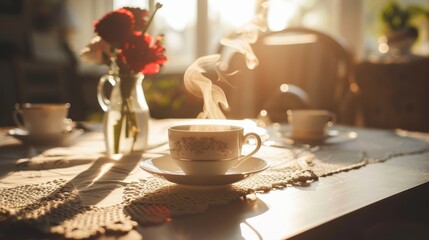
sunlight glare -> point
(284, 87)
(281, 13)
(104, 169)
(248, 232)
(289, 39)
(129, 3)
(383, 47)
(236, 13)
(178, 14)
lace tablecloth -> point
(75, 192)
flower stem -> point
(117, 129)
(157, 6)
(132, 123)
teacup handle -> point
(258, 146)
(101, 96)
(16, 114)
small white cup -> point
(310, 124)
(42, 118)
(208, 149)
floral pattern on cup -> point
(209, 149)
(200, 145)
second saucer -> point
(60, 139)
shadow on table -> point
(104, 176)
(27, 160)
(94, 184)
(8, 156)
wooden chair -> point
(394, 95)
(311, 60)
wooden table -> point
(384, 198)
(357, 204)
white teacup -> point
(208, 149)
(310, 124)
(42, 118)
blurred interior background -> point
(40, 41)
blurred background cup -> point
(42, 118)
(310, 124)
(209, 149)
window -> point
(177, 21)
(193, 28)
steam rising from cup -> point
(240, 41)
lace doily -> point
(56, 208)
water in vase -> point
(126, 144)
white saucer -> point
(166, 168)
(331, 137)
(45, 140)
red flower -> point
(140, 55)
(123, 31)
(140, 17)
(115, 27)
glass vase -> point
(126, 114)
